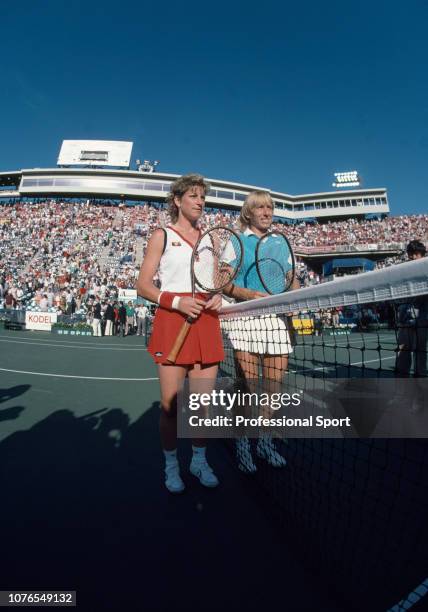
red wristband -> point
(165, 300)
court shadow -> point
(9, 414)
(12, 392)
(13, 412)
(84, 508)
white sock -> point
(170, 457)
(198, 453)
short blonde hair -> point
(179, 188)
(251, 201)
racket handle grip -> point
(179, 341)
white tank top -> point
(174, 266)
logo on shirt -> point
(176, 244)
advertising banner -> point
(42, 321)
(127, 295)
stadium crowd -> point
(354, 232)
(57, 253)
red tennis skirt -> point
(202, 345)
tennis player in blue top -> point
(258, 342)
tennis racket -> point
(275, 263)
(216, 259)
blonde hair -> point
(251, 201)
(179, 188)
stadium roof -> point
(148, 186)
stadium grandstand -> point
(82, 227)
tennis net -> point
(353, 507)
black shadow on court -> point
(84, 508)
(12, 412)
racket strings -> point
(274, 275)
(275, 263)
(217, 259)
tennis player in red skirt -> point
(169, 252)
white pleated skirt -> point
(263, 335)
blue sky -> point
(279, 96)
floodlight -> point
(347, 179)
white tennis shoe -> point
(173, 481)
(204, 472)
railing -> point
(18, 316)
(11, 315)
(74, 318)
(350, 248)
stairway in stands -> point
(103, 257)
(139, 250)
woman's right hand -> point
(192, 307)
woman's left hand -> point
(214, 303)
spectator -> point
(130, 315)
(96, 318)
(116, 319)
(141, 314)
(44, 303)
(109, 319)
(413, 327)
(9, 301)
(122, 318)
